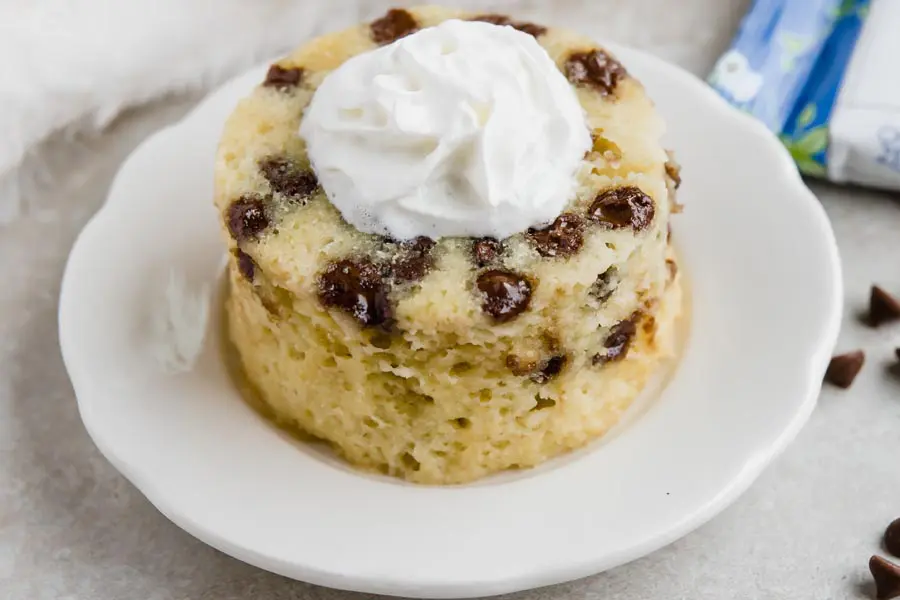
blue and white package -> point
(824, 75)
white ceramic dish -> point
(765, 281)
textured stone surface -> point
(71, 527)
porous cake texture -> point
(441, 361)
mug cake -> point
(449, 242)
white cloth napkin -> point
(75, 64)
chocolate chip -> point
(882, 307)
(397, 23)
(420, 244)
(563, 238)
(595, 68)
(287, 178)
(357, 288)
(246, 265)
(503, 20)
(844, 368)
(247, 218)
(281, 78)
(892, 538)
(897, 353)
(673, 172)
(485, 251)
(550, 368)
(623, 207)
(605, 285)
(506, 294)
(414, 259)
(618, 341)
(887, 578)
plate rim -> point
(814, 367)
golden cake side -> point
(442, 390)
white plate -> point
(765, 281)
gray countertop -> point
(72, 527)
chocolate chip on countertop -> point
(356, 287)
(485, 251)
(882, 307)
(529, 28)
(281, 78)
(247, 218)
(506, 294)
(246, 265)
(892, 538)
(563, 238)
(887, 578)
(623, 207)
(844, 368)
(287, 178)
(595, 68)
(397, 23)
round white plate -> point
(764, 272)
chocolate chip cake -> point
(444, 360)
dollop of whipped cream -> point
(463, 129)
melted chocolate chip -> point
(623, 207)
(618, 341)
(883, 307)
(357, 288)
(887, 578)
(892, 538)
(414, 259)
(605, 285)
(506, 294)
(550, 368)
(486, 251)
(595, 68)
(247, 218)
(246, 265)
(563, 238)
(281, 78)
(844, 368)
(397, 23)
(503, 20)
(285, 177)
(420, 244)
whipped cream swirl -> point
(463, 129)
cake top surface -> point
(279, 218)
